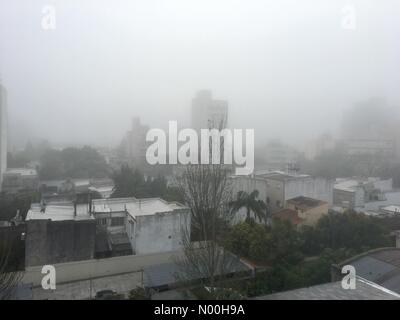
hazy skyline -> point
(287, 68)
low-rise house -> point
(284, 186)
(308, 209)
(103, 187)
(52, 189)
(277, 187)
(69, 231)
(152, 225)
(354, 193)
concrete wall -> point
(312, 215)
(83, 270)
(349, 199)
(276, 194)
(160, 232)
(312, 187)
(49, 242)
(249, 184)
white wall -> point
(316, 188)
(160, 232)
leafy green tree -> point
(248, 239)
(251, 203)
(285, 243)
(349, 230)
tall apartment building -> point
(134, 143)
(3, 132)
(208, 112)
(370, 128)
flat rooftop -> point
(64, 210)
(21, 171)
(59, 212)
(283, 176)
(135, 207)
(349, 185)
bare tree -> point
(207, 192)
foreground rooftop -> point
(365, 290)
(59, 212)
(135, 207)
(382, 266)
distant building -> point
(319, 146)
(375, 147)
(277, 188)
(355, 192)
(103, 187)
(59, 233)
(279, 156)
(370, 128)
(3, 133)
(208, 112)
(308, 210)
(303, 211)
(150, 225)
(134, 145)
(282, 187)
(18, 179)
(66, 190)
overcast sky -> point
(287, 68)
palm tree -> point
(252, 204)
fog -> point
(288, 68)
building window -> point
(278, 203)
(102, 222)
(117, 221)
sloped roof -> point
(305, 203)
(365, 290)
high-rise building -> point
(370, 128)
(3, 132)
(134, 143)
(208, 113)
